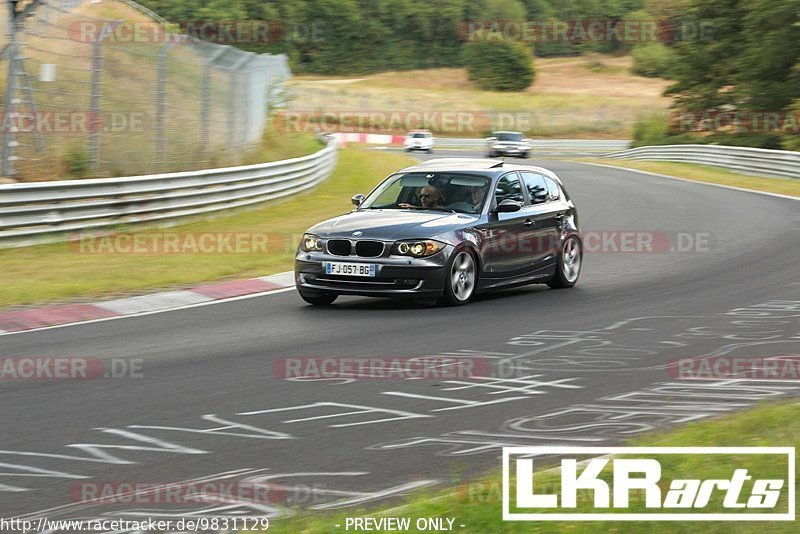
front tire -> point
(461, 279)
(568, 266)
(319, 299)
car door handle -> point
(528, 223)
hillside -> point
(593, 97)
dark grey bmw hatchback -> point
(445, 229)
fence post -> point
(94, 102)
(161, 96)
(9, 140)
(205, 113)
(232, 107)
(246, 110)
(11, 50)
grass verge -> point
(477, 505)
(705, 173)
(62, 271)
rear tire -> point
(568, 264)
(461, 279)
(319, 299)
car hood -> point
(392, 224)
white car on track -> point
(418, 140)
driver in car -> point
(429, 198)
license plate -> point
(350, 269)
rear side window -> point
(536, 186)
(508, 188)
(552, 187)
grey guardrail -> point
(543, 146)
(41, 212)
(760, 161)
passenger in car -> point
(478, 193)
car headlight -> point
(417, 249)
(310, 243)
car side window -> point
(536, 186)
(552, 186)
(508, 187)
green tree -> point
(767, 77)
(499, 65)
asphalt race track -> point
(590, 366)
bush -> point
(498, 65)
(651, 130)
(654, 130)
(753, 140)
(653, 60)
(791, 142)
(78, 161)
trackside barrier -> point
(779, 163)
(41, 212)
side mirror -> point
(357, 199)
(508, 206)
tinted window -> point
(552, 186)
(506, 136)
(536, 186)
(508, 187)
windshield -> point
(419, 135)
(442, 191)
(506, 136)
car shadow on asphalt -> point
(400, 304)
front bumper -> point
(510, 150)
(396, 276)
